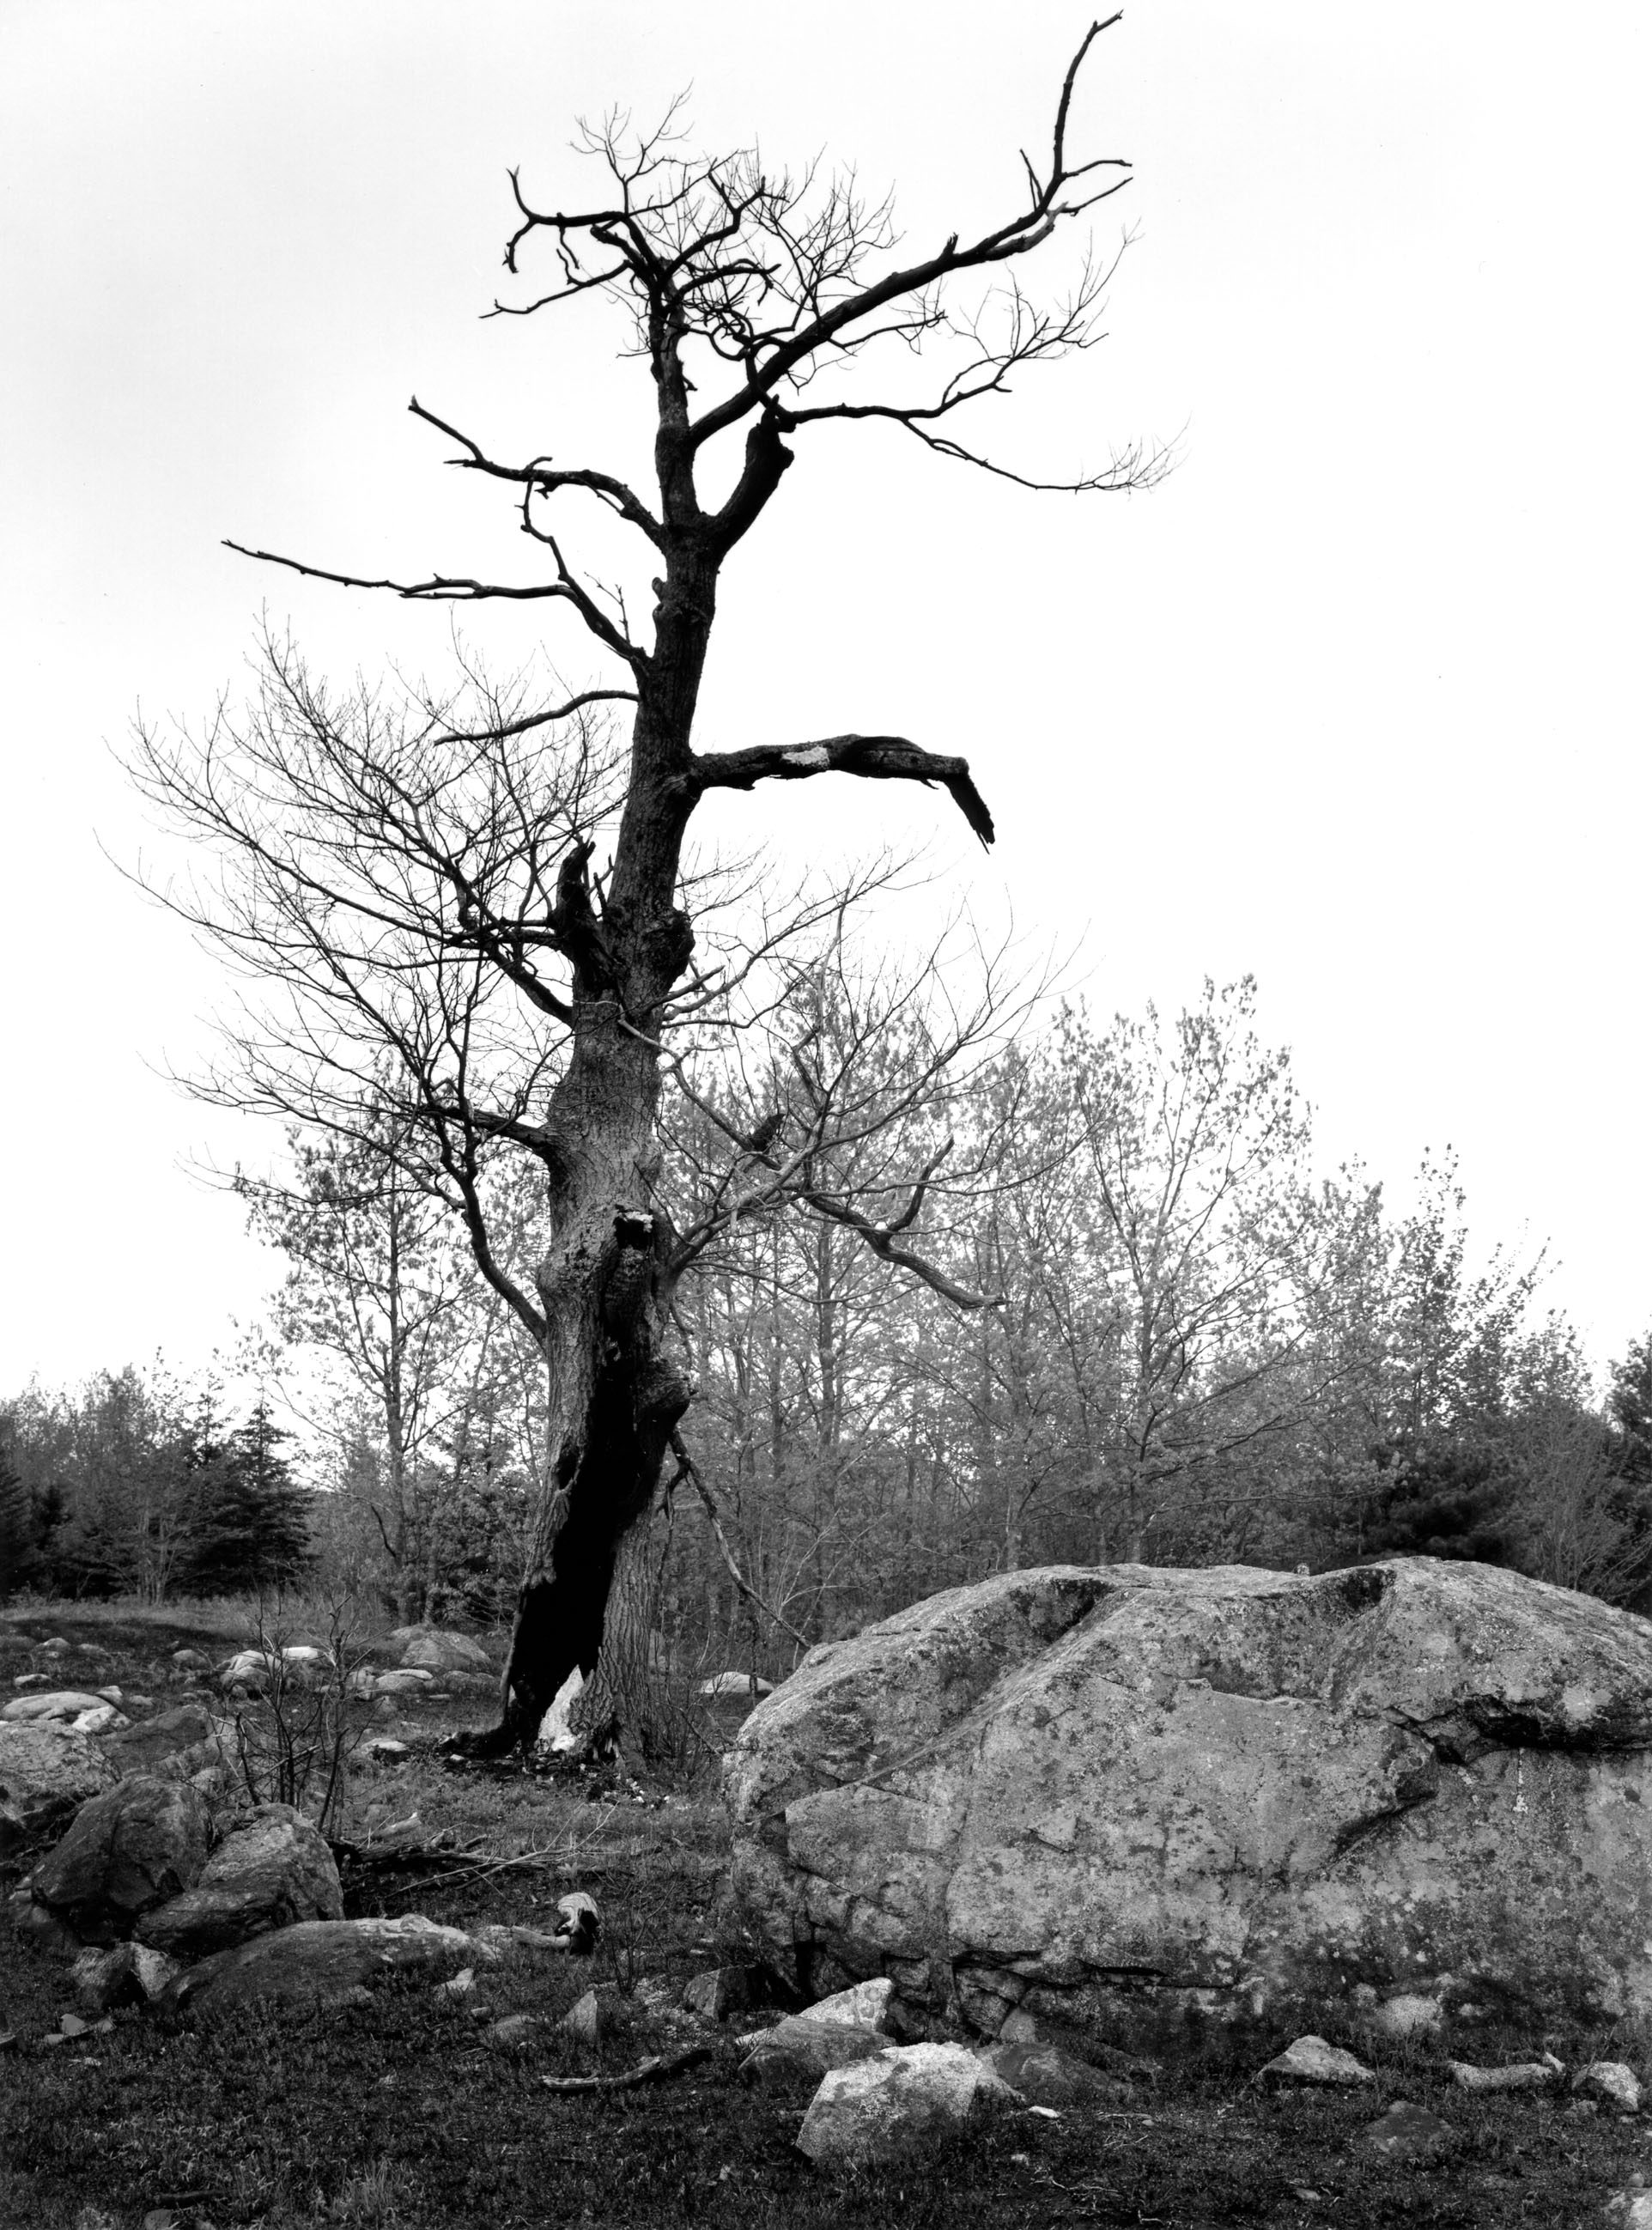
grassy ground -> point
(398, 2116)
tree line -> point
(135, 1484)
(1193, 1349)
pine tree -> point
(256, 1531)
(17, 1531)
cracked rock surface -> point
(1135, 1799)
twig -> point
(646, 2071)
(686, 1469)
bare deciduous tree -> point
(424, 881)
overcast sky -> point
(1355, 700)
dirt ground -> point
(402, 2115)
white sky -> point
(1355, 700)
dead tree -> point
(758, 302)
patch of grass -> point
(398, 2115)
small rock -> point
(65, 1703)
(514, 2032)
(1609, 2081)
(126, 1974)
(102, 1721)
(852, 2025)
(1525, 2075)
(190, 1660)
(1311, 2060)
(408, 1682)
(56, 1646)
(1630, 2209)
(866, 2005)
(1409, 2132)
(1044, 2075)
(590, 2018)
(714, 1996)
(72, 2025)
(1410, 2013)
(40, 1923)
(879, 2109)
(1027, 2029)
(462, 1985)
(385, 1750)
(29, 1680)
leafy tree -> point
(423, 881)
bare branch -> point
(879, 758)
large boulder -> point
(46, 1773)
(271, 1870)
(142, 1843)
(1136, 1800)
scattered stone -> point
(272, 1869)
(190, 1660)
(714, 1996)
(140, 1845)
(1409, 2132)
(409, 1682)
(1044, 2075)
(101, 1721)
(591, 2018)
(328, 1961)
(1311, 2060)
(1610, 2081)
(1409, 2013)
(174, 1744)
(852, 2025)
(300, 1664)
(65, 1703)
(461, 1986)
(1025, 2029)
(124, 1974)
(385, 1750)
(877, 2111)
(39, 1924)
(438, 1649)
(514, 2033)
(736, 1683)
(56, 1646)
(1524, 2075)
(1630, 2209)
(72, 2025)
(29, 1680)
(1262, 1733)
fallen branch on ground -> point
(653, 2069)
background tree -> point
(425, 883)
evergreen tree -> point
(17, 1532)
(257, 1525)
